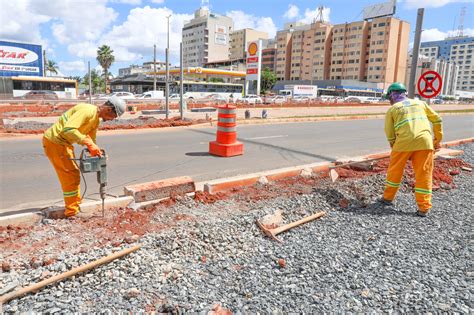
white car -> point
(251, 99)
(217, 98)
(301, 99)
(277, 99)
(123, 95)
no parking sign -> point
(430, 84)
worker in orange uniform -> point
(408, 130)
(78, 125)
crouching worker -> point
(78, 125)
(408, 130)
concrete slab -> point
(160, 189)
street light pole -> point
(154, 68)
(167, 88)
(416, 49)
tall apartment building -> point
(372, 51)
(449, 71)
(269, 52)
(206, 38)
(458, 50)
(239, 40)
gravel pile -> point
(361, 257)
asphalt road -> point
(29, 181)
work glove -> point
(437, 146)
(93, 148)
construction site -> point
(319, 163)
(305, 237)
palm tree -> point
(105, 59)
(52, 67)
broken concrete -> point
(160, 189)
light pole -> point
(167, 89)
(154, 68)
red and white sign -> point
(429, 84)
(16, 55)
(254, 51)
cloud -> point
(131, 2)
(310, 15)
(158, 1)
(19, 23)
(292, 12)
(433, 34)
(72, 66)
(244, 20)
(143, 28)
(413, 4)
(84, 49)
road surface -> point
(29, 181)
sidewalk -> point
(283, 112)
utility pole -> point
(167, 88)
(90, 81)
(154, 68)
(416, 50)
(181, 75)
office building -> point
(239, 40)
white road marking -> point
(268, 137)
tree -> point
(105, 59)
(97, 81)
(267, 80)
(77, 78)
(52, 67)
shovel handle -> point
(291, 225)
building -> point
(239, 40)
(371, 50)
(206, 38)
(458, 50)
(145, 68)
(449, 72)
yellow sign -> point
(253, 48)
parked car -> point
(371, 100)
(40, 95)
(438, 101)
(152, 94)
(123, 95)
(301, 99)
(251, 99)
(277, 99)
(217, 98)
(352, 99)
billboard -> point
(20, 59)
(380, 9)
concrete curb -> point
(306, 169)
(160, 189)
(250, 179)
(91, 208)
(87, 209)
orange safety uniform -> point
(408, 129)
(74, 126)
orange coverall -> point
(74, 126)
(408, 129)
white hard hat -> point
(119, 105)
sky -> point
(72, 30)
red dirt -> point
(207, 198)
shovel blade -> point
(334, 175)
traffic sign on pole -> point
(429, 84)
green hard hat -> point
(397, 86)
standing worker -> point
(408, 130)
(78, 125)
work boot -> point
(385, 202)
(421, 213)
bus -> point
(201, 89)
(17, 87)
(362, 96)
